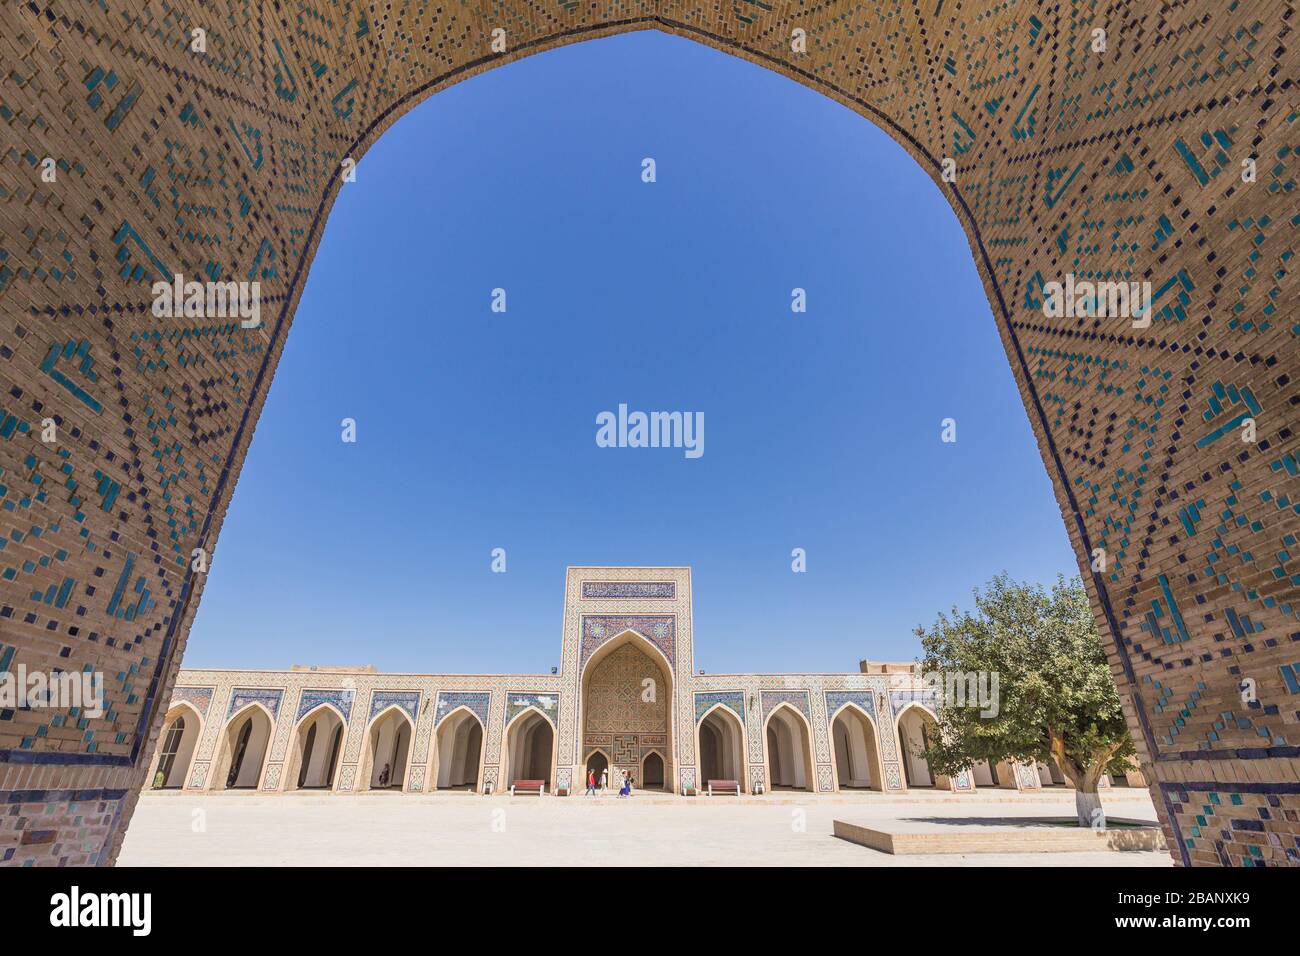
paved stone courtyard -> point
(462, 829)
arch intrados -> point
(311, 715)
(385, 713)
(250, 706)
(621, 639)
(663, 762)
(456, 716)
(533, 709)
(726, 710)
(178, 709)
(851, 707)
(909, 143)
(926, 712)
(786, 706)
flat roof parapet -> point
(889, 667)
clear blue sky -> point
(477, 430)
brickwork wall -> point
(223, 164)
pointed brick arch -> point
(335, 720)
(1060, 167)
(252, 764)
(193, 733)
(736, 754)
(520, 756)
(613, 710)
(395, 711)
(785, 715)
(446, 739)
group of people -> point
(623, 791)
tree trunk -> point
(1087, 804)
(1087, 801)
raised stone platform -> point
(930, 835)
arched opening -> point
(916, 104)
(627, 692)
(176, 748)
(789, 750)
(652, 771)
(597, 763)
(721, 747)
(244, 749)
(459, 752)
(388, 745)
(308, 746)
(316, 745)
(530, 749)
(916, 729)
(984, 773)
(857, 752)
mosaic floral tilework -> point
(449, 700)
(927, 697)
(242, 697)
(340, 699)
(734, 699)
(199, 697)
(406, 701)
(548, 704)
(835, 699)
(659, 629)
(798, 699)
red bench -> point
(528, 786)
(724, 786)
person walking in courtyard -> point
(383, 777)
(591, 781)
(626, 789)
(604, 780)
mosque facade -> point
(626, 697)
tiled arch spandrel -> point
(1118, 163)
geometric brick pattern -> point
(1122, 165)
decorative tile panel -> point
(198, 697)
(476, 701)
(664, 590)
(340, 699)
(733, 699)
(835, 699)
(659, 629)
(517, 703)
(406, 701)
(772, 699)
(241, 698)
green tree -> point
(1055, 697)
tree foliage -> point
(1057, 700)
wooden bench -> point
(724, 786)
(528, 786)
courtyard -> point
(461, 829)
